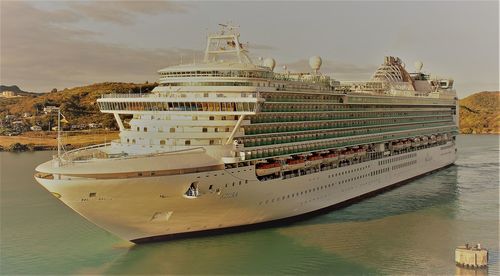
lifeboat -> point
(349, 154)
(407, 144)
(361, 152)
(294, 164)
(330, 157)
(432, 140)
(425, 140)
(397, 146)
(314, 160)
(262, 169)
(415, 142)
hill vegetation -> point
(480, 113)
(77, 104)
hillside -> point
(480, 113)
(77, 104)
(16, 89)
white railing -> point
(176, 94)
(86, 154)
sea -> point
(413, 229)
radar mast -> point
(225, 43)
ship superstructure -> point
(226, 143)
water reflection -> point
(258, 252)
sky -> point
(63, 44)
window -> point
(138, 129)
(211, 118)
(133, 141)
(145, 129)
(92, 194)
(172, 129)
(212, 142)
(162, 142)
(204, 129)
(187, 142)
(216, 129)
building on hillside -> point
(50, 108)
(36, 128)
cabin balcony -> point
(327, 144)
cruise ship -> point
(228, 143)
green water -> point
(410, 230)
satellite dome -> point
(418, 66)
(315, 63)
(270, 62)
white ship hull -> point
(141, 208)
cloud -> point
(39, 51)
(124, 12)
(339, 70)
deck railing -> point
(95, 152)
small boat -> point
(349, 154)
(330, 157)
(361, 152)
(415, 142)
(397, 146)
(407, 144)
(425, 141)
(432, 140)
(314, 160)
(262, 169)
(294, 164)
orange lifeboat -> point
(294, 164)
(349, 154)
(262, 169)
(361, 152)
(314, 160)
(330, 157)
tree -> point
(53, 90)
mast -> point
(59, 133)
(226, 41)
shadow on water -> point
(259, 252)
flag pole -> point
(59, 133)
